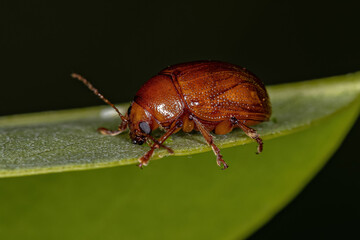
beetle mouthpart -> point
(139, 142)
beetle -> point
(204, 96)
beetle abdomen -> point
(215, 91)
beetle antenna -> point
(96, 92)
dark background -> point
(118, 46)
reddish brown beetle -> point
(204, 96)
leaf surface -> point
(176, 197)
(67, 140)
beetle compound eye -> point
(144, 126)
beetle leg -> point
(251, 133)
(160, 145)
(145, 158)
(122, 127)
(209, 140)
(105, 131)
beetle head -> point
(140, 123)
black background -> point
(119, 45)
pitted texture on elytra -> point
(216, 92)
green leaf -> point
(177, 197)
(67, 140)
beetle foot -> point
(260, 144)
(220, 162)
(105, 131)
(251, 133)
(142, 163)
(225, 166)
(145, 159)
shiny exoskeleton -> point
(204, 96)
